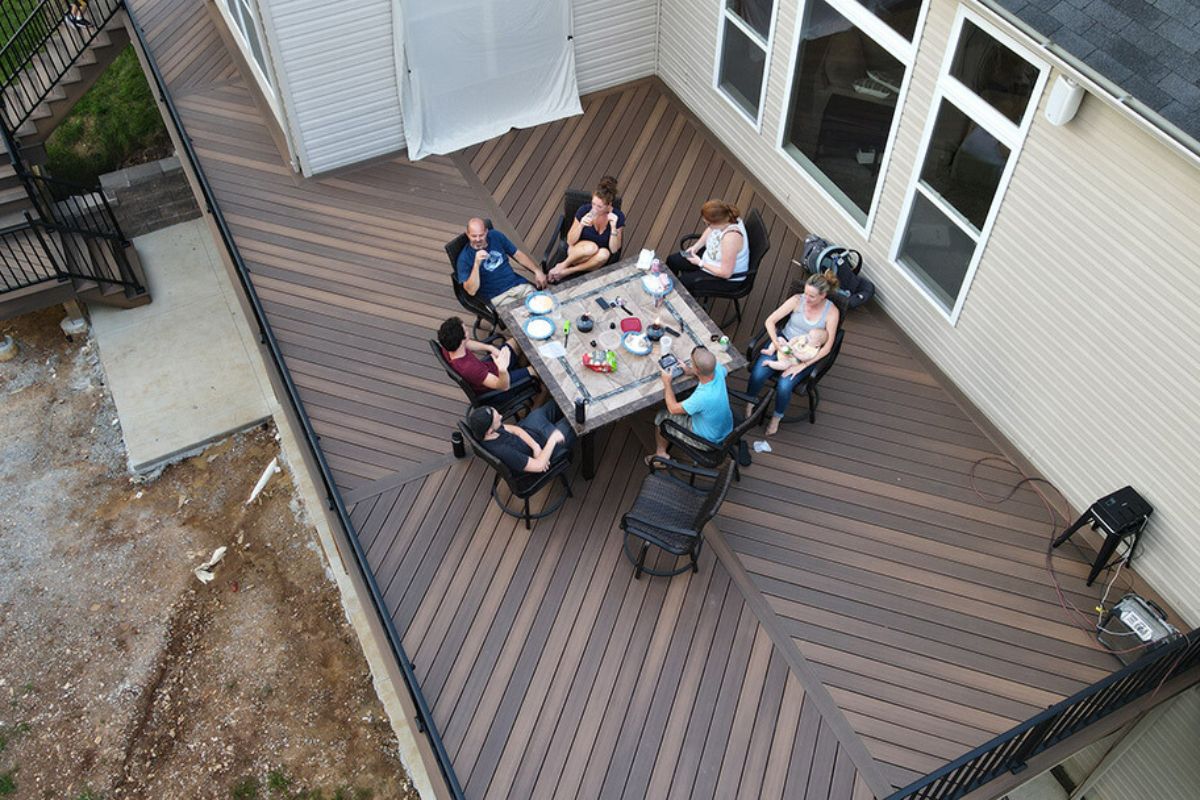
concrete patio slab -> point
(183, 370)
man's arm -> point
(471, 284)
(539, 277)
(501, 380)
(673, 405)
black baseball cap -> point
(479, 421)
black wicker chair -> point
(671, 512)
(523, 485)
(711, 456)
(515, 398)
(556, 244)
(480, 307)
(808, 386)
(706, 290)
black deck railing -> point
(1011, 751)
(25, 258)
(40, 47)
(425, 722)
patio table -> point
(635, 383)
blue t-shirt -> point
(588, 234)
(496, 274)
(709, 409)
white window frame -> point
(232, 11)
(1008, 133)
(899, 48)
(768, 46)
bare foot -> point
(749, 410)
(773, 425)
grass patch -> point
(245, 789)
(116, 124)
(8, 783)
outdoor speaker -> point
(1064, 101)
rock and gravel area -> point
(122, 675)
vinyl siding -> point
(615, 41)
(337, 77)
(1096, 236)
(1160, 764)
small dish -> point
(637, 343)
(539, 328)
(540, 303)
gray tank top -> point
(798, 325)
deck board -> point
(871, 615)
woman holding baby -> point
(807, 337)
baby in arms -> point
(798, 350)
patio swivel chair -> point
(480, 307)
(706, 290)
(711, 456)
(671, 512)
(509, 402)
(522, 485)
(556, 243)
(808, 386)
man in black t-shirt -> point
(542, 437)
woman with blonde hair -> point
(595, 234)
(721, 251)
(807, 308)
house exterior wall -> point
(337, 71)
(1160, 762)
(615, 42)
(337, 78)
(1096, 236)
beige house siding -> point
(615, 42)
(1085, 201)
(1157, 762)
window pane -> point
(843, 100)
(992, 71)
(755, 13)
(252, 38)
(742, 69)
(936, 250)
(964, 164)
(900, 15)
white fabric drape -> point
(472, 69)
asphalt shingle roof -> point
(1149, 48)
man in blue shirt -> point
(483, 266)
(706, 412)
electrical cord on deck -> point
(1055, 515)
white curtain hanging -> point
(472, 69)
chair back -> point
(486, 456)
(750, 422)
(826, 363)
(572, 200)
(440, 355)
(759, 241)
(716, 496)
(480, 306)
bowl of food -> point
(636, 343)
(540, 303)
(539, 328)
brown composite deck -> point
(861, 615)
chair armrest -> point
(681, 467)
(555, 237)
(658, 526)
(756, 344)
(747, 398)
(686, 240)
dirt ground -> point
(121, 674)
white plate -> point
(632, 339)
(540, 303)
(539, 328)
